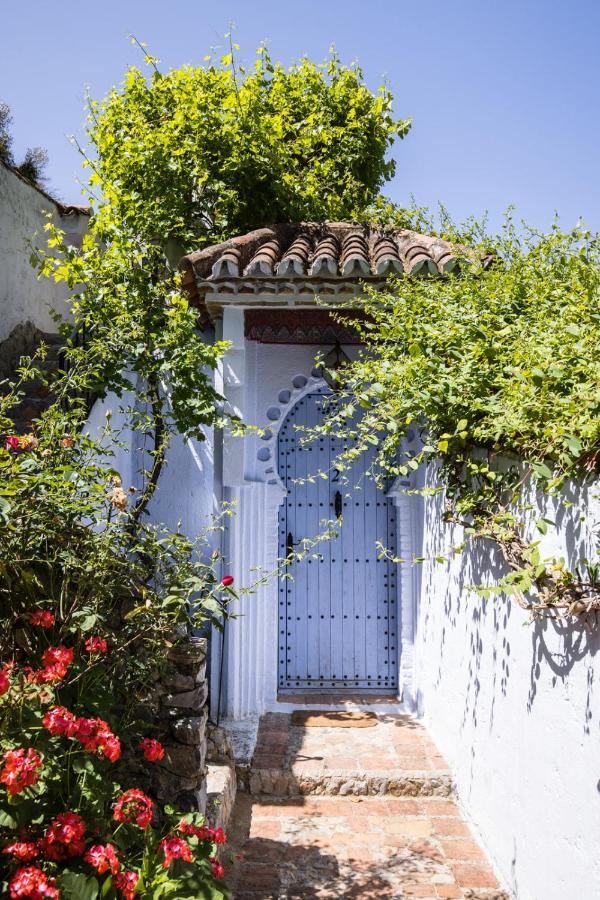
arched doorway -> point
(337, 615)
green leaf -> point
(77, 886)
(6, 820)
(573, 445)
(541, 470)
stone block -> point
(174, 681)
(192, 700)
(221, 792)
(190, 730)
(182, 761)
(168, 786)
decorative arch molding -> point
(276, 413)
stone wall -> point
(180, 777)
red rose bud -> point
(227, 580)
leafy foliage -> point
(87, 609)
(190, 157)
(202, 153)
(504, 358)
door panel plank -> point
(336, 626)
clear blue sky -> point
(504, 94)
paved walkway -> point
(332, 824)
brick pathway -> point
(354, 838)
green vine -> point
(498, 368)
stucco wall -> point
(515, 708)
(23, 212)
(187, 494)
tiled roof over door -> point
(305, 259)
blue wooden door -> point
(338, 617)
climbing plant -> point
(498, 366)
(201, 153)
(189, 157)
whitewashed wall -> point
(23, 212)
(515, 708)
(187, 495)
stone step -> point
(221, 790)
(393, 756)
(343, 783)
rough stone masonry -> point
(180, 777)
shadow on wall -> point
(451, 583)
(557, 645)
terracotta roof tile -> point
(329, 259)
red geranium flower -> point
(24, 851)
(42, 617)
(175, 848)
(96, 645)
(126, 883)
(96, 737)
(4, 681)
(217, 869)
(56, 662)
(13, 442)
(47, 675)
(58, 656)
(31, 882)
(152, 749)
(64, 838)
(227, 580)
(203, 832)
(134, 806)
(103, 857)
(20, 769)
(59, 720)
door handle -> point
(338, 504)
(289, 545)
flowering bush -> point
(76, 816)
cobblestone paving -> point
(387, 847)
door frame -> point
(338, 690)
(250, 480)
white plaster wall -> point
(515, 709)
(121, 441)
(186, 496)
(24, 298)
